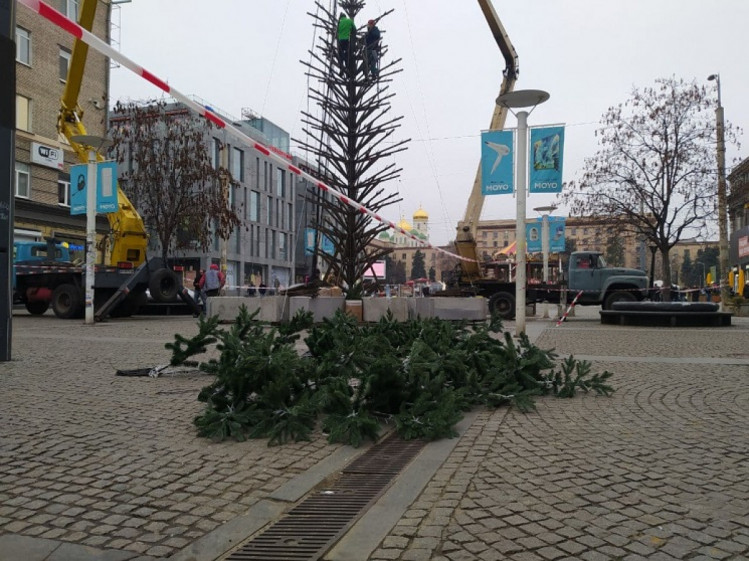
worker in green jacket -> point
(346, 29)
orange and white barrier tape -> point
(564, 316)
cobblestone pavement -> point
(90, 458)
(658, 471)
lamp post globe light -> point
(520, 100)
(722, 214)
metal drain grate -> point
(308, 530)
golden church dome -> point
(421, 214)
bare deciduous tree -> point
(170, 176)
(654, 173)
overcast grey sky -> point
(588, 54)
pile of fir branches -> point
(420, 374)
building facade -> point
(42, 156)
(738, 213)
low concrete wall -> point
(272, 308)
(469, 309)
(321, 307)
(376, 308)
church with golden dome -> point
(419, 229)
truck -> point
(30, 255)
(586, 276)
(586, 272)
(121, 284)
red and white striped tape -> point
(89, 38)
(564, 316)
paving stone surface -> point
(94, 466)
(94, 459)
(657, 471)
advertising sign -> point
(106, 187)
(326, 246)
(534, 239)
(546, 155)
(497, 159)
(47, 156)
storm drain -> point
(307, 531)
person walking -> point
(213, 280)
(199, 296)
(346, 29)
(372, 50)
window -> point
(70, 9)
(282, 245)
(23, 113)
(237, 164)
(255, 206)
(269, 211)
(23, 46)
(291, 217)
(216, 153)
(63, 191)
(23, 180)
(280, 182)
(64, 63)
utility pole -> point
(725, 293)
(7, 169)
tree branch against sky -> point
(170, 176)
(654, 173)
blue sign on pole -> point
(106, 188)
(534, 235)
(326, 245)
(497, 159)
(547, 151)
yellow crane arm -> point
(128, 236)
(465, 243)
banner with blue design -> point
(497, 157)
(106, 187)
(545, 161)
(534, 234)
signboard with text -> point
(545, 161)
(497, 159)
(534, 236)
(106, 188)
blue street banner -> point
(106, 187)
(534, 235)
(497, 157)
(546, 155)
(326, 245)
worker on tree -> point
(346, 29)
(372, 50)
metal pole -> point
(520, 278)
(90, 236)
(7, 174)
(545, 253)
(725, 292)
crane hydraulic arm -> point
(128, 236)
(465, 240)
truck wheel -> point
(618, 296)
(67, 301)
(38, 307)
(502, 304)
(163, 285)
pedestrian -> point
(372, 50)
(199, 296)
(213, 280)
(346, 30)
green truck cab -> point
(599, 284)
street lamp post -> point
(545, 210)
(722, 215)
(520, 100)
(95, 145)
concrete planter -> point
(376, 308)
(321, 307)
(273, 309)
(456, 309)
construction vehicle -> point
(120, 286)
(597, 284)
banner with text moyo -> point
(544, 161)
